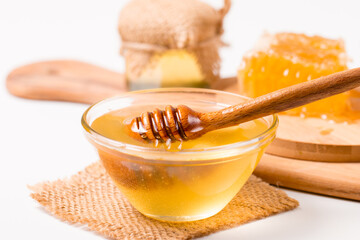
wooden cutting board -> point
(337, 179)
(311, 140)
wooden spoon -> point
(183, 123)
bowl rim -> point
(118, 145)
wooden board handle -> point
(65, 80)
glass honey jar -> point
(171, 43)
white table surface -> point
(43, 140)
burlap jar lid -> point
(91, 198)
(164, 24)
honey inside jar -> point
(185, 190)
(172, 68)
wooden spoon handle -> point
(65, 80)
(284, 99)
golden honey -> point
(285, 59)
(112, 125)
(185, 189)
(177, 181)
(172, 68)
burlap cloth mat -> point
(91, 198)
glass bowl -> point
(185, 185)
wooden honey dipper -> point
(183, 123)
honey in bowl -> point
(113, 126)
(178, 181)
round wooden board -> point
(317, 140)
(313, 138)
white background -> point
(44, 141)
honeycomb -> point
(284, 59)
